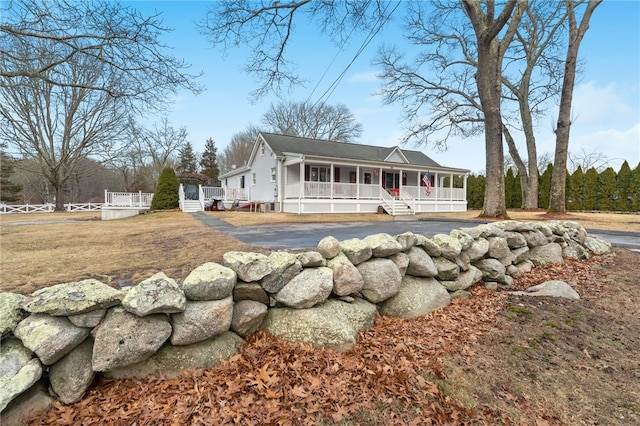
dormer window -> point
(261, 149)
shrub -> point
(166, 194)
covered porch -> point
(311, 187)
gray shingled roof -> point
(342, 150)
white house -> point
(300, 175)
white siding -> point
(264, 189)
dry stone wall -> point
(69, 332)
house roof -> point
(282, 144)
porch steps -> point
(397, 208)
(190, 206)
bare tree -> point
(577, 30)
(586, 160)
(126, 44)
(60, 125)
(71, 73)
(158, 147)
(491, 50)
(266, 28)
(316, 121)
(237, 153)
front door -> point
(391, 180)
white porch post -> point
(357, 182)
(331, 180)
(451, 187)
(301, 193)
(464, 188)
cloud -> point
(617, 145)
(593, 104)
(364, 77)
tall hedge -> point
(165, 196)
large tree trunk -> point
(491, 50)
(528, 175)
(557, 196)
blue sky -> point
(606, 98)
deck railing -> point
(128, 199)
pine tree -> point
(209, 161)
(188, 160)
(634, 189)
(8, 190)
(589, 184)
(606, 191)
(624, 178)
(511, 188)
(545, 187)
(574, 192)
(475, 192)
(165, 196)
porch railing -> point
(128, 199)
(338, 190)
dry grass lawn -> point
(43, 249)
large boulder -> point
(401, 261)
(465, 280)
(209, 281)
(447, 270)
(158, 294)
(247, 317)
(329, 247)
(10, 312)
(171, 361)
(250, 291)
(492, 270)
(420, 263)
(553, 288)
(383, 245)
(406, 240)
(88, 319)
(356, 250)
(310, 287)
(312, 259)
(534, 238)
(72, 375)
(248, 266)
(346, 277)
(201, 320)
(450, 247)
(381, 279)
(498, 247)
(478, 249)
(430, 246)
(547, 254)
(72, 298)
(284, 266)
(49, 337)
(463, 237)
(417, 296)
(124, 338)
(597, 246)
(18, 370)
(334, 323)
(515, 240)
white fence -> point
(49, 208)
(112, 199)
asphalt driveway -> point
(307, 235)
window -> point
(253, 178)
(320, 174)
(273, 174)
(261, 149)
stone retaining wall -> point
(73, 331)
